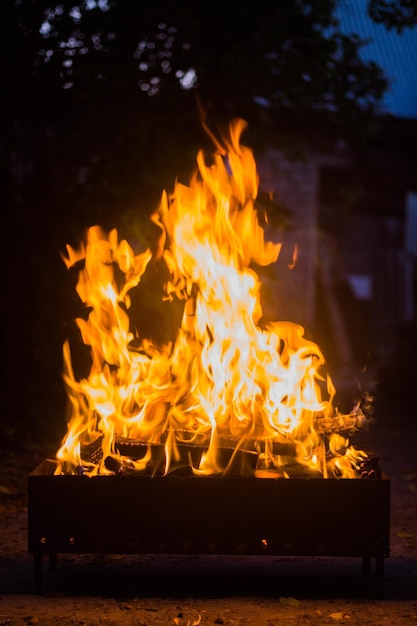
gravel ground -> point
(188, 591)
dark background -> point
(98, 118)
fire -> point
(231, 393)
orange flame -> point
(228, 391)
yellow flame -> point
(226, 377)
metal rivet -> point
(44, 540)
(72, 541)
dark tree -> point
(106, 96)
(102, 111)
(394, 14)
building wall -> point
(354, 286)
(295, 185)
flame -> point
(230, 391)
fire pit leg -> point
(366, 565)
(379, 574)
(52, 561)
(37, 571)
(379, 571)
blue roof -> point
(395, 53)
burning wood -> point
(232, 393)
(140, 458)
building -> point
(354, 220)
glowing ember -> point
(229, 391)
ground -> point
(187, 591)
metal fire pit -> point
(136, 514)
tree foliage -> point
(284, 55)
(107, 95)
(394, 14)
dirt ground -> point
(188, 591)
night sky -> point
(395, 53)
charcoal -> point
(120, 467)
(92, 452)
(132, 448)
(369, 466)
